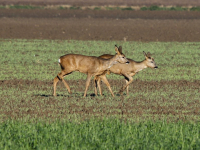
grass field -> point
(161, 112)
(38, 59)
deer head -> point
(121, 58)
(150, 60)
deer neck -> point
(110, 62)
(139, 66)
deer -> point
(90, 65)
(126, 70)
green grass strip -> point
(99, 134)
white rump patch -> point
(59, 61)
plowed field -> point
(100, 25)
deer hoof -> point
(121, 91)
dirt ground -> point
(104, 2)
(45, 106)
(142, 26)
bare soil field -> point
(105, 25)
(104, 2)
(47, 106)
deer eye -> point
(151, 61)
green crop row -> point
(99, 134)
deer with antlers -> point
(90, 65)
(126, 70)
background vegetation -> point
(38, 59)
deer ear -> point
(117, 50)
(148, 54)
(144, 54)
(120, 49)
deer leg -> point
(56, 79)
(104, 79)
(87, 84)
(128, 82)
(127, 87)
(95, 85)
(67, 86)
(99, 86)
(97, 80)
(130, 79)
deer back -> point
(81, 63)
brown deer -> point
(90, 65)
(126, 70)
